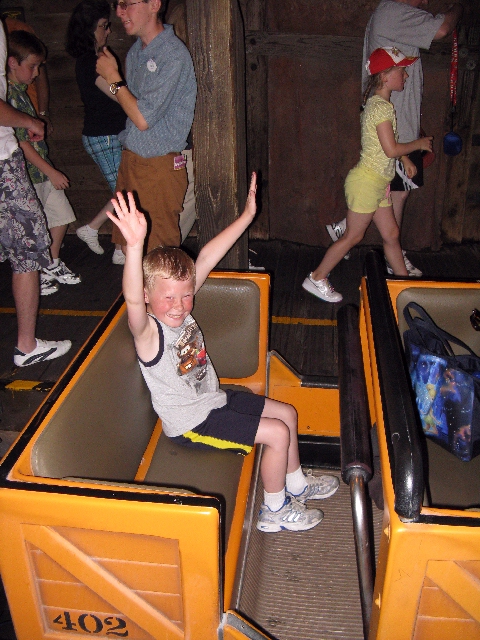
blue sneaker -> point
(292, 516)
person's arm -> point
(393, 149)
(11, 117)
(410, 168)
(215, 250)
(107, 68)
(102, 84)
(57, 178)
(451, 17)
(133, 226)
(43, 96)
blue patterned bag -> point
(446, 386)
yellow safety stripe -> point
(217, 443)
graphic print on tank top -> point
(191, 356)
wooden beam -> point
(215, 33)
(254, 18)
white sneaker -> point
(47, 285)
(292, 516)
(45, 350)
(90, 236)
(118, 257)
(336, 231)
(318, 487)
(413, 272)
(61, 273)
(322, 289)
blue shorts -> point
(106, 151)
(232, 427)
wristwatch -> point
(115, 86)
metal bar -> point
(363, 548)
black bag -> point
(446, 386)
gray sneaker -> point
(318, 487)
(321, 289)
(293, 516)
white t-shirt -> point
(8, 142)
(396, 24)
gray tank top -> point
(181, 378)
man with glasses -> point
(158, 97)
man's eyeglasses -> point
(107, 25)
(123, 6)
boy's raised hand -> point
(129, 220)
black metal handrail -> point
(400, 420)
(356, 456)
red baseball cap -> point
(383, 59)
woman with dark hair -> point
(87, 34)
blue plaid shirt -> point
(162, 78)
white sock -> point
(274, 501)
(54, 264)
(91, 232)
(119, 252)
(296, 482)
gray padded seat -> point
(230, 321)
(449, 308)
(214, 473)
(451, 482)
(104, 425)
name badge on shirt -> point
(151, 65)
(179, 162)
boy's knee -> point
(279, 433)
(290, 414)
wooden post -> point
(215, 34)
(254, 14)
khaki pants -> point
(159, 190)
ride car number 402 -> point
(90, 623)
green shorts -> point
(366, 190)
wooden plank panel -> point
(322, 16)
(314, 133)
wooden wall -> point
(303, 66)
(303, 96)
